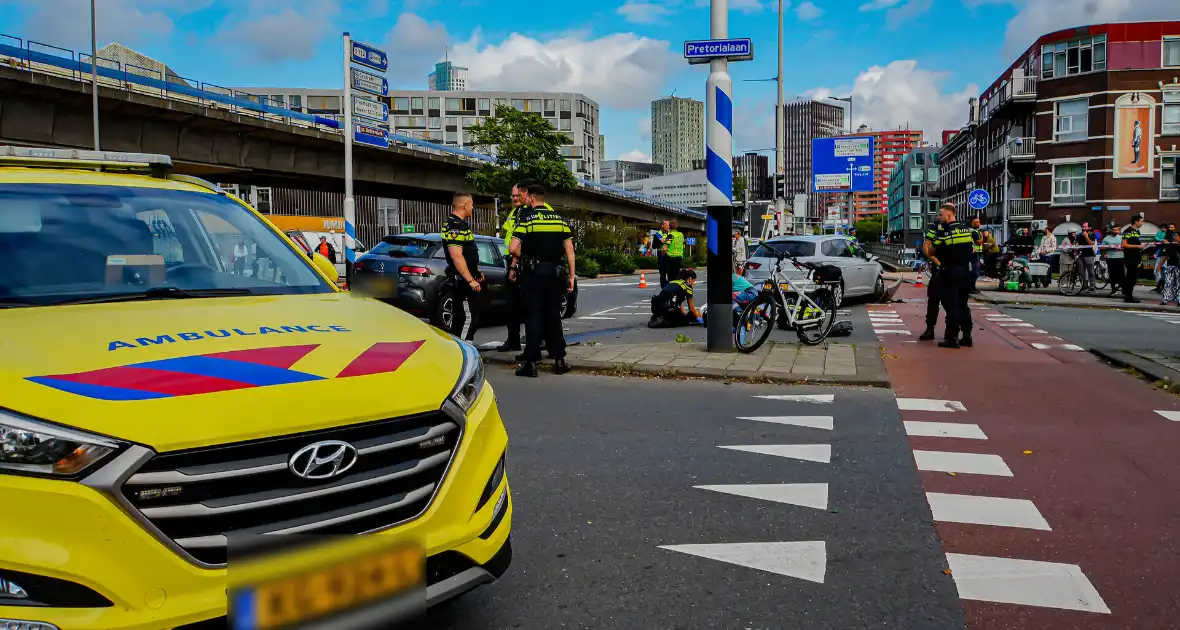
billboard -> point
(842, 164)
(1134, 135)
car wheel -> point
(444, 311)
(838, 294)
(879, 289)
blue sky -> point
(905, 61)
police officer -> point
(932, 294)
(657, 243)
(541, 241)
(674, 251)
(1132, 258)
(976, 259)
(463, 267)
(514, 306)
(952, 250)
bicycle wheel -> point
(755, 324)
(1101, 275)
(814, 333)
(1069, 284)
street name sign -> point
(705, 50)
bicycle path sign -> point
(979, 199)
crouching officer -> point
(673, 306)
(514, 306)
(463, 268)
(953, 247)
(541, 240)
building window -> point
(454, 105)
(1072, 122)
(401, 105)
(566, 124)
(1069, 184)
(1171, 118)
(296, 102)
(485, 106)
(916, 206)
(435, 122)
(434, 102)
(1171, 52)
(1169, 177)
(931, 206)
(915, 190)
(1076, 56)
(262, 204)
(416, 104)
(518, 104)
(323, 104)
(917, 175)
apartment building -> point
(618, 172)
(913, 195)
(677, 133)
(805, 120)
(889, 148)
(686, 188)
(1083, 127)
(447, 77)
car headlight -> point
(471, 379)
(28, 446)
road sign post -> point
(367, 130)
(718, 51)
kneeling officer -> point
(541, 240)
(672, 307)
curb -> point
(717, 374)
(1150, 369)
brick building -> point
(1087, 121)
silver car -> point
(860, 270)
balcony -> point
(1020, 209)
(1170, 194)
(1018, 90)
(1023, 151)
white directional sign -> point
(369, 82)
(370, 109)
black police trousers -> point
(541, 290)
(932, 298)
(954, 290)
(465, 311)
(662, 265)
(513, 312)
(666, 314)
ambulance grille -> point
(206, 501)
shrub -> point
(618, 263)
(587, 268)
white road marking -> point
(892, 332)
(966, 463)
(812, 495)
(598, 318)
(1002, 318)
(1015, 325)
(811, 422)
(973, 510)
(896, 323)
(926, 404)
(1174, 416)
(1037, 331)
(606, 311)
(944, 429)
(1024, 582)
(802, 560)
(821, 453)
(808, 398)
(1041, 346)
(1070, 346)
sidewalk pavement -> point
(833, 363)
(1158, 366)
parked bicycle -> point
(1070, 281)
(809, 307)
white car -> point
(860, 270)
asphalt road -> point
(1103, 328)
(603, 473)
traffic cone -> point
(642, 280)
(918, 284)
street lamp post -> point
(94, 70)
(719, 192)
(1008, 144)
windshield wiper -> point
(158, 293)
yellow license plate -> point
(329, 590)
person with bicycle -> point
(672, 307)
(951, 250)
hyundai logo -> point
(323, 460)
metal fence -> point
(891, 254)
(33, 56)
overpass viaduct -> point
(224, 142)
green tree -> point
(739, 187)
(869, 229)
(526, 147)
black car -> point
(418, 261)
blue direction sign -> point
(373, 110)
(979, 199)
(368, 134)
(370, 56)
(842, 164)
(369, 82)
(705, 50)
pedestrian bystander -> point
(1112, 251)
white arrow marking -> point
(926, 404)
(1174, 416)
(807, 452)
(813, 422)
(808, 398)
(812, 495)
(802, 560)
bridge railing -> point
(34, 56)
(892, 254)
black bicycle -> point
(812, 316)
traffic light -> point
(780, 189)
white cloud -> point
(641, 12)
(271, 31)
(877, 5)
(808, 11)
(645, 129)
(128, 22)
(1038, 17)
(622, 70)
(746, 6)
(635, 155)
(901, 94)
(414, 45)
(897, 16)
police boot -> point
(949, 343)
(509, 347)
(927, 335)
(561, 367)
(528, 368)
(966, 341)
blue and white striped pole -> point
(349, 201)
(719, 192)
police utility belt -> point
(530, 264)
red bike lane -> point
(1053, 481)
